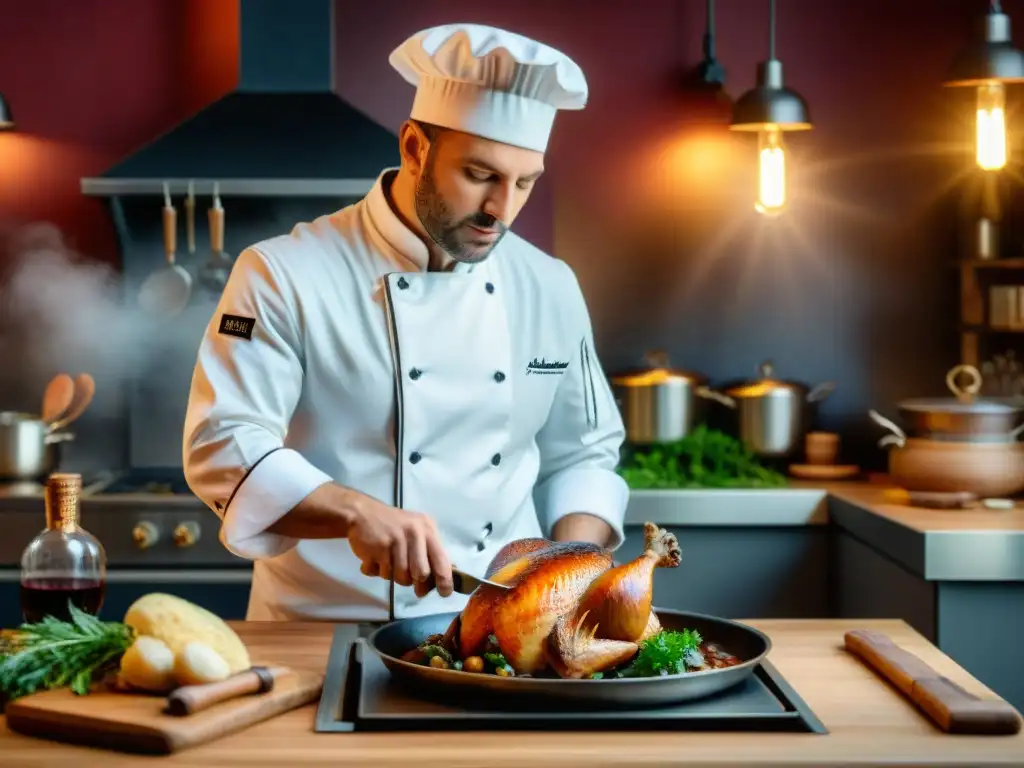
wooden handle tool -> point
(216, 220)
(949, 706)
(190, 699)
(170, 226)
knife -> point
(465, 583)
(190, 699)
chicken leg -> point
(614, 614)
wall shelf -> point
(1014, 263)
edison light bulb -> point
(991, 138)
(771, 172)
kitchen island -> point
(850, 549)
(869, 723)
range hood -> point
(283, 131)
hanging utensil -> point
(190, 221)
(57, 397)
(167, 291)
(85, 388)
(214, 273)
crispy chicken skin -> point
(570, 610)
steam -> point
(60, 311)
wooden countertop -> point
(892, 503)
(869, 722)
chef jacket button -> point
(490, 287)
(499, 376)
(496, 459)
(403, 283)
(415, 457)
(415, 373)
(480, 546)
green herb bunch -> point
(54, 654)
(705, 458)
(668, 653)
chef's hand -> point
(396, 543)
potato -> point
(148, 664)
(178, 622)
(197, 663)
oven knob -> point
(186, 534)
(145, 535)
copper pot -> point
(988, 469)
(965, 416)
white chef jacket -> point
(473, 395)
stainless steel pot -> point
(964, 416)
(659, 404)
(774, 415)
(28, 448)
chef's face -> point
(469, 191)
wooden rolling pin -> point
(952, 708)
(190, 699)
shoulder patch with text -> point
(233, 325)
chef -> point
(405, 385)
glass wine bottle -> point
(64, 563)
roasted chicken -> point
(570, 609)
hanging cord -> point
(995, 7)
(771, 29)
(709, 33)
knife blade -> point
(466, 583)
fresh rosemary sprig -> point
(53, 654)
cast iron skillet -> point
(748, 644)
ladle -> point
(167, 291)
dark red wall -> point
(649, 202)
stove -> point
(360, 695)
(159, 481)
(157, 535)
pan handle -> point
(821, 391)
(897, 436)
(711, 394)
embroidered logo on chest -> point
(546, 367)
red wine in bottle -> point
(50, 597)
(64, 564)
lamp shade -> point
(990, 56)
(770, 103)
(6, 118)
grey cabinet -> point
(743, 572)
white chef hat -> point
(489, 82)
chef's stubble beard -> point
(437, 218)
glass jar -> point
(64, 564)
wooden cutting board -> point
(129, 722)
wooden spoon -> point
(85, 388)
(57, 397)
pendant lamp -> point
(771, 109)
(6, 118)
(988, 63)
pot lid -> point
(767, 385)
(964, 399)
(658, 371)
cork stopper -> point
(62, 496)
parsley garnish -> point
(667, 653)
